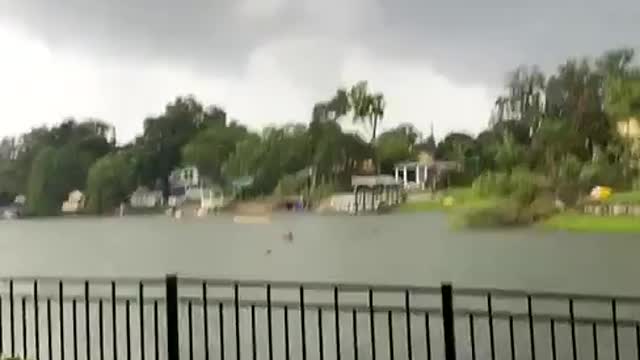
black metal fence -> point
(190, 318)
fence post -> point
(448, 322)
(173, 343)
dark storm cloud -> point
(468, 40)
(483, 39)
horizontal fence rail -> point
(192, 318)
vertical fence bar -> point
(531, 328)
(354, 315)
(303, 325)
(407, 314)
(472, 337)
(638, 340)
(156, 340)
(49, 331)
(141, 317)
(190, 330)
(127, 320)
(595, 341)
(236, 310)
(390, 328)
(372, 325)
(614, 317)
(173, 343)
(492, 340)
(511, 339)
(74, 328)
(25, 349)
(427, 334)
(61, 305)
(269, 322)
(320, 335)
(448, 322)
(114, 321)
(1, 322)
(205, 320)
(574, 347)
(12, 320)
(87, 321)
(221, 329)
(287, 353)
(36, 319)
(101, 328)
(336, 312)
(552, 326)
(254, 350)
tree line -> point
(563, 125)
(47, 163)
(569, 128)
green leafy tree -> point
(43, 196)
(509, 153)
(395, 146)
(455, 147)
(111, 180)
(367, 107)
(165, 136)
(210, 148)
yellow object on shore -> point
(601, 193)
(448, 201)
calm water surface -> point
(419, 249)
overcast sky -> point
(269, 61)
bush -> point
(523, 186)
(542, 207)
(492, 184)
(511, 213)
(499, 216)
(529, 199)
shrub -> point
(523, 186)
(499, 216)
(529, 199)
(492, 184)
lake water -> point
(417, 249)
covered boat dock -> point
(371, 191)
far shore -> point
(570, 220)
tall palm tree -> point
(376, 112)
(360, 101)
(367, 107)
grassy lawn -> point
(591, 223)
(463, 198)
(630, 197)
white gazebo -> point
(412, 174)
(421, 175)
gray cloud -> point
(467, 40)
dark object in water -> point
(288, 236)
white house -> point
(74, 203)
(185, 177)
(145, 198)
